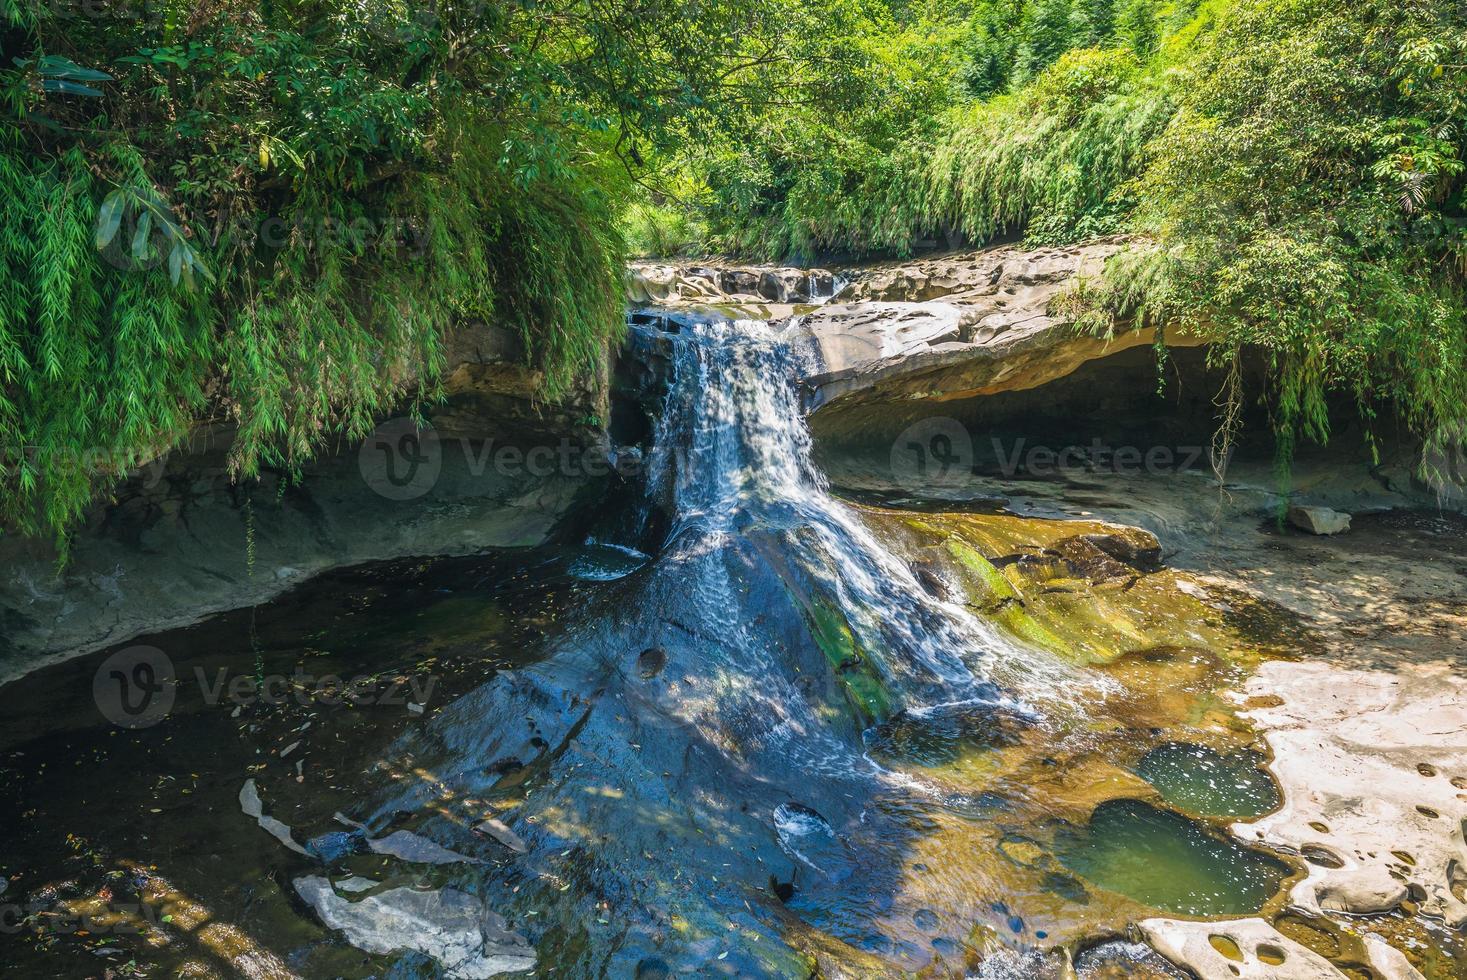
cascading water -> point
(733, 452)
(745, 728)
(709, 745)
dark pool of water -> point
(301, 694)
(1207, 783)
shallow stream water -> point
(791, 733)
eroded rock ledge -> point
(949, 327)
(956, 327)
(181, 539)
(652, 282)
(1373, 765)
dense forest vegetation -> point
(1294, 168)
(271, 213)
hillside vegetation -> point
(1296, 163)
(273, 213)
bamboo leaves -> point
(152, 218)
(62, 76)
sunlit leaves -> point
(275, 217)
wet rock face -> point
(640, 770)
(172, 544)
(492, 390)
(468, 940)
(652, 283)
(974, 323)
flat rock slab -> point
(1251, 949)
(1373, 767)
(959, 326)
(846, 341)
(467, 939)
(1240, 949)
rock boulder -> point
(956, 327)
(1318, 520)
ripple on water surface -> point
(1207, 783)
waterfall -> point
(733, 454)
(741, 728)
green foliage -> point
(273, 215)
(814, 173)
(100, 369)
(973, 120)
(1052, 160)
(1308, 201)
(1137, 27)
(1051, 28)
(661, 230)
(1295, 167)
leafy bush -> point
(273, 214)
(1053, 160)
(1295, 164)
(1307, 198)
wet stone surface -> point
(793, 735)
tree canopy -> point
(1295, 166)
(273, 213)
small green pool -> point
(1206, 783)
(1169, 862)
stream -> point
(746, 727)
